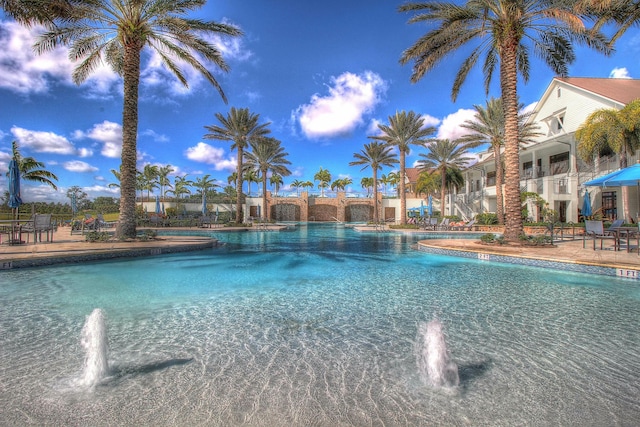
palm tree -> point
(241, 128)
(307, 184)
(250, 175)
(34, 11)
(181, 186)
(404, 130)
(297, 184)
(116, 174)
(268, 155)
(116, 32)
(428, 183)
(394, 180)
(375, 155)
(488, 128)
(505, 31)
(323, 176)
(31, 169)
(163, 178)
(233, 179)
(367, 183)
(443, 155)
(276, 181)
(607, 130)
(150, 179)
(204, 185)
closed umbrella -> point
(14, 187)
(421, 208)
(158, 210)
(430, 205)
(586, 205)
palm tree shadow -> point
(472, 371)
(121, 373)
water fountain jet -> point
(432, 357)
(94, 342)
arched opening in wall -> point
(285, 212)
(358, 213)
(323, 212)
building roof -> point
(412, 174)
(619, 90)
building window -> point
(561, 186)
(559, 163)
(559, 92)
(609, 204)
(491, 179)
(560, 123)
(527, 170)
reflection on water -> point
(318, 326)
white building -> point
(550, 167)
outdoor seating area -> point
(616, 233)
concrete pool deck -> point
(68, 248)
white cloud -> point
(450, 126)
(85, 152)
(350, 98)
(109, 134)
(619, 73)
(42, 142)
(79, 166)
(22, 71)
(205, 153)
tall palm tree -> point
(240, 127)
(276, 181)
(163, 179)
(116, 32)
(403, 131)
(608, 130)
(297, 184)
(307, 184)
(367, 183)
(442, 155)
(233, 179)
(250, 175)
(204, 185)
(31, 169)
(267, 155)
(35, 11)
(375, 155)
(181, 186)
(487, 127)
(505, 32)
(394, 180)
(323, 176)
(150, 179)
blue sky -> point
(324, 73)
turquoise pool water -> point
(316, 326)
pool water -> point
(316, 326)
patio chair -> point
(595, 230)
(444, 224)
(104, 224)
(38, 224)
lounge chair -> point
(104, 224)
(444, 224)
(595, 230)
(468, 226)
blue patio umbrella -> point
(430, 205)
(158, 210)
(14, 186)
(621, 178)
(421, 208)
(586, 204)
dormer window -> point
(560, 122)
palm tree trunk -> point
(375, 194)
(403, 194)
(127, 223)
(508, 84)
(499, 179)
(239, 187)
(264, 194)
(443, 185)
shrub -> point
(487, 218)
(97, 236)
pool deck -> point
(68, 248)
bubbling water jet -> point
(432, 357)
(94, 342)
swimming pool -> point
(317, 326)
